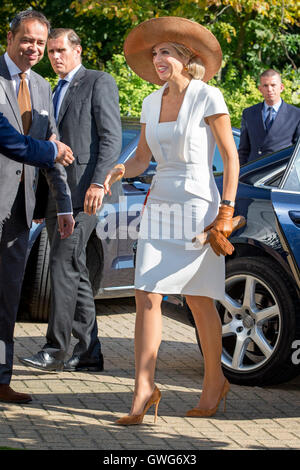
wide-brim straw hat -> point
(141, 40)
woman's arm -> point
(222, 225)
(134, 166)
(221, 129)
(140, 162)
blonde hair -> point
(195, 66)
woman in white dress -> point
(181, 124)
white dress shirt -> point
(275, 109)
(64, 89)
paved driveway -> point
(78, 410)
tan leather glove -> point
(220, 229)
(219, 243)
(223, 221)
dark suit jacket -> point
(24, 149)
(255, 142)
(89, 122)
(43, 125)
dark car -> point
(261, 314)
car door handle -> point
(295, 216)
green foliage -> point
(52, 80)
(238, 93)
(254, 35)
(132, 89)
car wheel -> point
(260, 323)
(35, 298)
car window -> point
(267, 178)
(291, 180)
(275, 181)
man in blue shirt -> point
(31, 151)
(271, 125)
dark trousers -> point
(13, 248)
(72, 301)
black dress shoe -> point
(8, 395)
(42, 360)
(76, 364)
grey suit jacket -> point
(43, 125)
(89, 122)
(256, 142)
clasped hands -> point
(64, 153)
(219, 230)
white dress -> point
(183, 199)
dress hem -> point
(196, 293)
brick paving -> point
(75, 411)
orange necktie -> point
(24, 103)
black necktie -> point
(269, 118)
(59, 87)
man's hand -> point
(38, 221)
(64, 153)
(65, 225)
(93, 199)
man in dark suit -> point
(25, 149)
(88, 119)
(25, 100)
(269, 126)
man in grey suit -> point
(26, 42)
(88, 119)
(269, 126)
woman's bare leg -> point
(209, 329)
(148, 327)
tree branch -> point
(287, 55)
(220, 13)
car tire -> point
(259, 341)
(35, 298)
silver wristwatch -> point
(225, 202)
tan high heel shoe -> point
(200, 412)
(138, 419)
